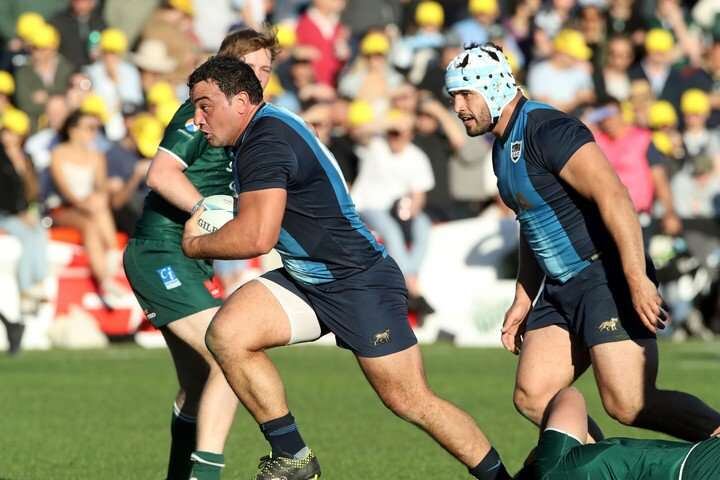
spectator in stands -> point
(564, 81)
(7, 88)
(434, 79)
(47, 73)
(520, 25)
(154, 62)
(17, 47)
(129, 16)
(350, 127)
(414, 52)
(390, 193)
(624, 18)
(20, 210)
(371, 77)
(127, 164)
(656, 66)
(116, 81)
(549, 21)
(697, 138)
(79, 26)
(484, 14)
(439, 135)
(320, 27)
(613, 80)
(629, 151)
(713, 70)
(663, 120)
(172, 25)
(79, 172)
(698, 186)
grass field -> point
(104, 414)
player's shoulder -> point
(544, 120)
(275, 122)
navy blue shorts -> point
(594, 305)
(367, 312)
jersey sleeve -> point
(557, 139)
(182, 139)
(265, 161)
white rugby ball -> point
(219, 209)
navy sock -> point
(283, 436)
(490, 468)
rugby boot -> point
(283, 468)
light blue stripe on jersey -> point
(544, 233)
(329, 165)
(305, 271)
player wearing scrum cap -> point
(578, 231)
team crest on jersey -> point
(190, 126)
(515, 151)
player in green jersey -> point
(562, 455)
(176, 292)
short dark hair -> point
(231, 76)
(239, 43)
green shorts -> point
(168, 285)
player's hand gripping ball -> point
(217, 211)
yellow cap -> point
(44, 36)
(185, 6)
(147, 132)
(662, 114)
(285, 34)
(695, 102)
(273, 87)
(27, 23)
(16, 121)
(659, 40)
(374, 43)
(93, 104)
(483, 6)
(571, 42)
(360, 113)
(7, 83)
(113, 40)
(160, 92)
(628, 111)
(165, 111)
(662, 142)
(399, 119)
(429, 13)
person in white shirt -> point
(389, 192)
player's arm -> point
(590, 174)
(165, 176)
(254, 231)
(526, 288)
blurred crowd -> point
(88, 86)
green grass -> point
(104, 414)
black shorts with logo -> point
(367, 311)
(594, 305)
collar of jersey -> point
(241, 139)
(511, 123)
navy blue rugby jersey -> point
(322, 237)
(563, 229)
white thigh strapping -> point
(304, 324)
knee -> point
(530, 403)
(624, 409)
(406, 404)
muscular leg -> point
(626, 372)
(399, 380)
(250, 321)
(549, 361)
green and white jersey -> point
(562, 457)
(208, 168)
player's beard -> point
(478, 126)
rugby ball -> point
(219, 209)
